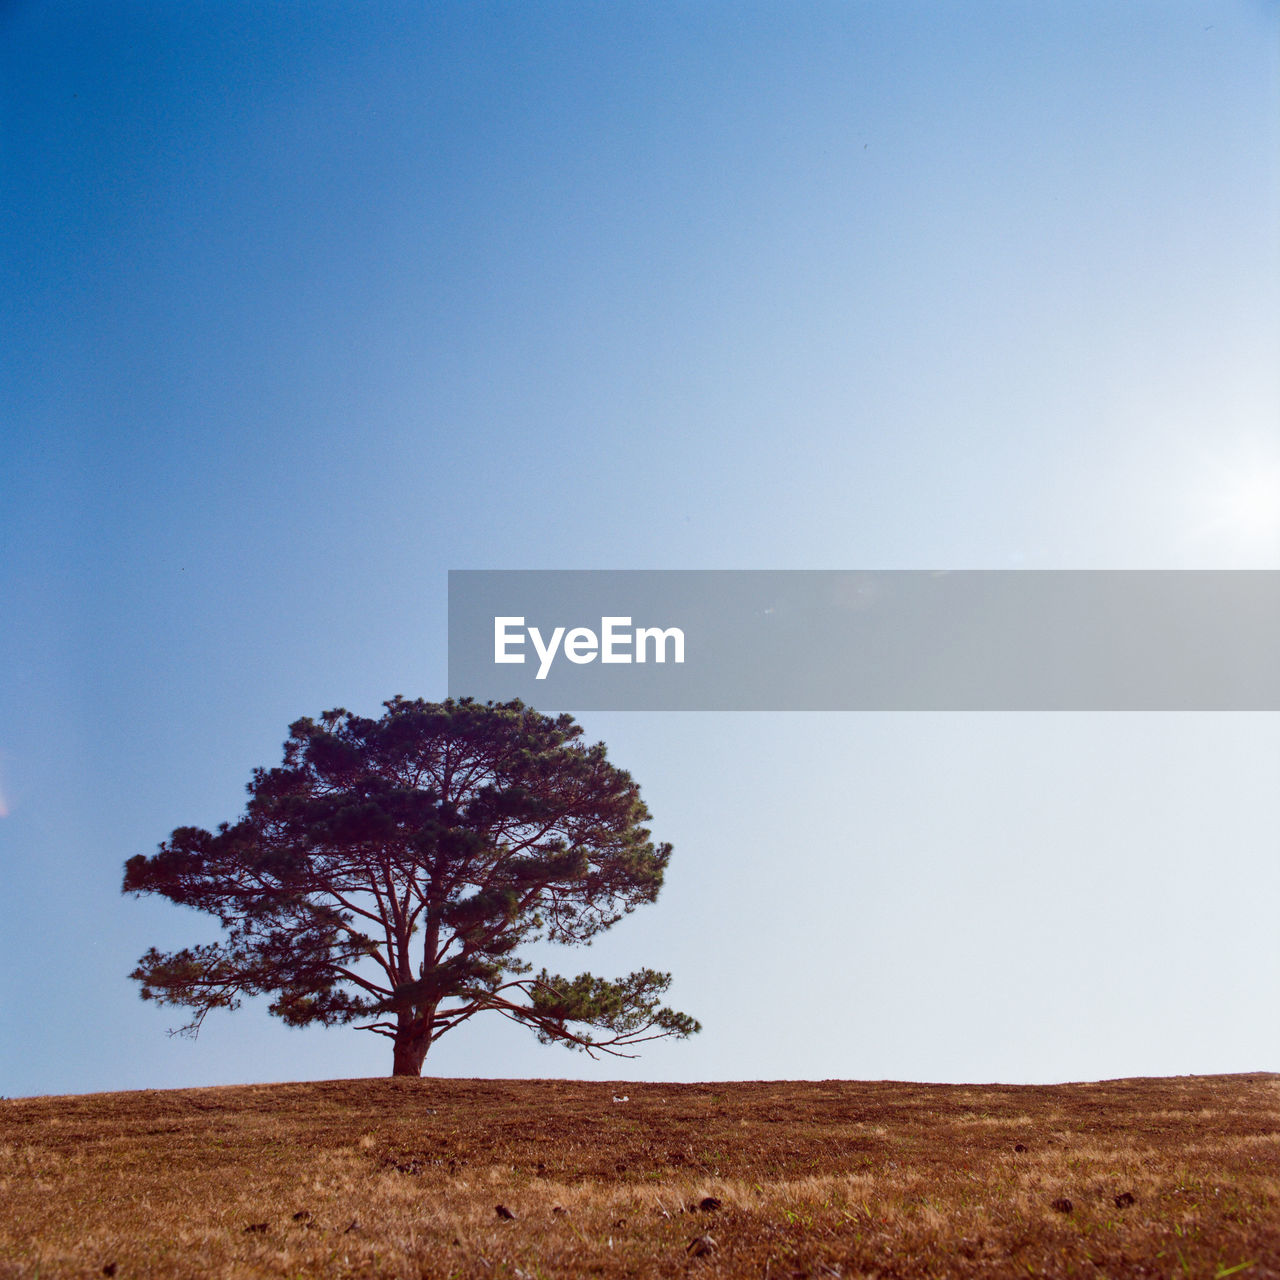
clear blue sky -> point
(303, 305)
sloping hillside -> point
(376, 1178)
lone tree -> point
(388, 870)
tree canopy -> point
(388, 871)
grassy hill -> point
(375, 1178)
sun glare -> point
(1241, 505)
(1255, 505)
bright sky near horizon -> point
(304, 305)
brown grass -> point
(381, 1178)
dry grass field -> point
(382, 1178)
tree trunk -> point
(411, 1045)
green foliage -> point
(390, 869)
(627, 1008)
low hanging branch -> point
(388, 871)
